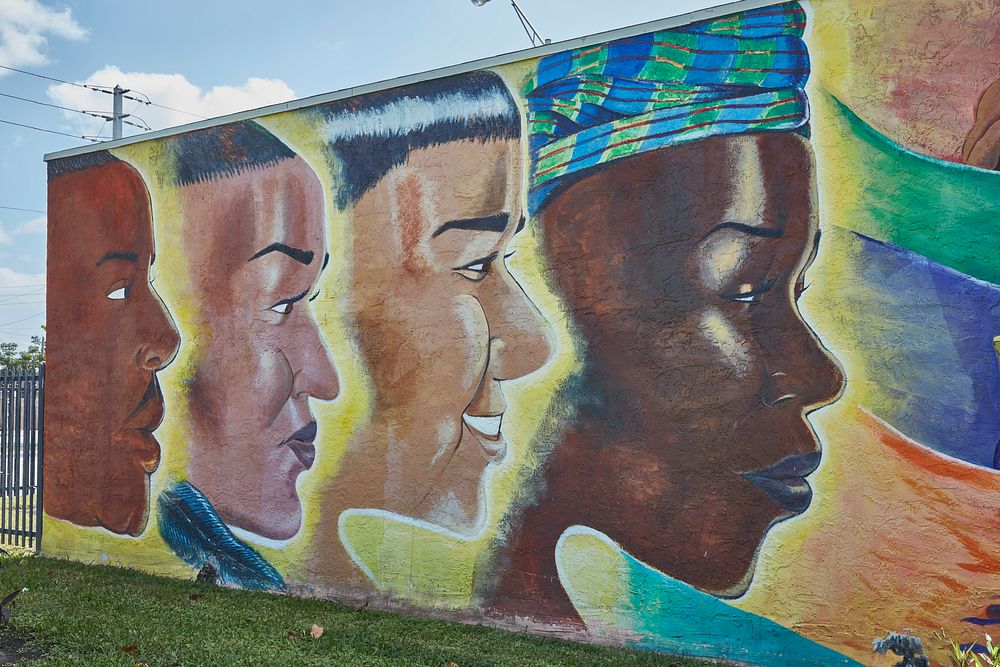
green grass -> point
(86, 615)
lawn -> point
(97, 615)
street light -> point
(536, 39)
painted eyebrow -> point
(294, 299)
(119, 254)
(765, 232)
(299, 255)
(493, 223)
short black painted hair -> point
(225, 151)
(366, 136)
(70, 165)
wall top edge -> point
(438, 73)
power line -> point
(42, 129)
(19, 295)
(95, 114)
(23, 319)
(162, 106)
(145, 125)
(99, 89)
(151, 103)
(42, 76)
(109, 90)
(22, 295)
(106, 117)
(100, 133)
(44, 104)
(27, 210)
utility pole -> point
(116, 114)
(117, 118)
(536, 39)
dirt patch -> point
(13, 651)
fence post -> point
(40, 458)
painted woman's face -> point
(441, 322)
(682, 267)
(112, 337)
(257, 247)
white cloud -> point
(24, 26)
(5, 237)
(170, 90)
(11, 278)
(32, 226)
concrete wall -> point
(684, 341)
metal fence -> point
(22, 402)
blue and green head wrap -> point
(732, 75)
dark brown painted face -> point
(682, 267)
(112, 336)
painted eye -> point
(282, 308)
(748, 293)
(478, 269)
(474, 272)
(119, 294)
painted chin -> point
(278, 514)
(456, 505)
(131, 523)
(140, 446)
(268, 503)
(285, 526)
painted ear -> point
(985, 151)
(982, 145)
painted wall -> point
(686, 341)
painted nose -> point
(159, 338)
(314, 372)
(811, 377)
(520, 337)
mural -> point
(686, 341)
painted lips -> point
(302, 444)
(148, 414)
(785, 481)
(141, 422)
(487, 427)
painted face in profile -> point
(108, 337)
(695, 347)
(257, 247)
(441, 322)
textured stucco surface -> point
(684, 342)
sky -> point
(209, 58)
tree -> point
(13, 358)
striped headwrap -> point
(732, 75)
